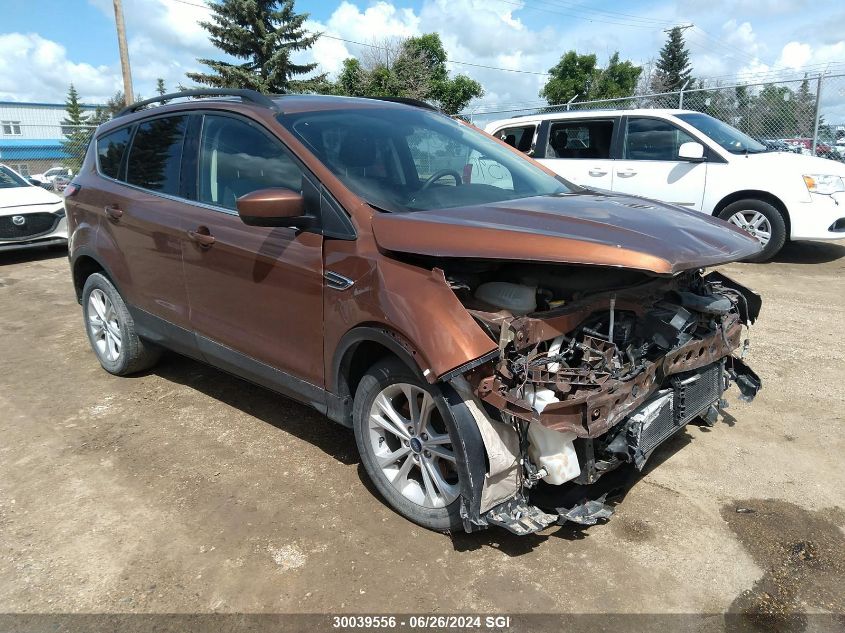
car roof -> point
(592, 114)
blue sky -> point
(43, 50)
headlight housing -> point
(824, 184)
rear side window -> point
(237, 158)
(156, 154)
(653, 139)
(519, 137)
(110, 150)
(580, 139)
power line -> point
(696, 31)
(576, 16)
(448, 61)
(582, 7)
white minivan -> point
(692, 160)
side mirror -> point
(691, 151)
(273, 207)
(35, 182)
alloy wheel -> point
(754, 223)
(411, 445)
(104, 325)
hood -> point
(800, 163)
(574, 228)
(25, 196)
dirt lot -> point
(186, 490)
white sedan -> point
(29, 215)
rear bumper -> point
(821, 219)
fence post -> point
(818, 108)
(568, 103)
(681, 95)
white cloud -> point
(165, 40)
(33, 68)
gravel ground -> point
(187, 490)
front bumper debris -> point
(621, 373)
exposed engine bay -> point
(595, 368)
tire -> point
(111, 330)
(740, 212)
(421, 454)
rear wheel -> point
(111, 330)
(762, 221)
(404, 430)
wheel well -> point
(754, 194)
(83, 268)
(357, 360)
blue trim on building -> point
(31, 149)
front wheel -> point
(762, 221)
(404, 429)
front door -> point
(580, 151)
(649, 165)
(255, 293)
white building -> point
(31, 135)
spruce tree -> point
(76, 130)
(673, 66)
(265, 33)
(160, 88)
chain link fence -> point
(37, 141)
(805, 116)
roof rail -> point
(248, 96)
(407, 101)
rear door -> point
(255, 293)
(649, 165)
(140, 200)
(580, 150)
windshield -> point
(9, 179)
(725, 135)
(409, 159)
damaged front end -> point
(595, 369)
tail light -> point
(71, 189)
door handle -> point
(597, 171)
(202, 237)
(626, 173)
(113, 212)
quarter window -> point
(519, 137)
(237, 158)
(653, 139)
(110, 150)
(580, 139)
(156, 154)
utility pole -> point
(683, 27)
(124, 52)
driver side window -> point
(237, 158)
(653, 139)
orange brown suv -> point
(499, 339)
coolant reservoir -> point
(515, 298)
(553, 451)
